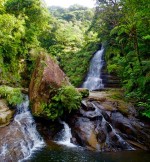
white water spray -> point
(66, 136)
(32, 140)
(93, 80)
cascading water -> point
(22, 138)
(32, 139)
(104, 129)
(65, 136)
(93, 80)
(120, 141)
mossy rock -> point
(112, 100)
(46, 80)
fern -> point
(66, 100)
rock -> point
(105, 124)
(123, 124)
(19, 138)
(47, 128)
(112, 100)
(46, 79)
(5, 113)
(84, 92)
(84, 129)
(108, 125)
(11, 140)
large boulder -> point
(46, 79)
(5, 113)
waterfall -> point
(121, 143)
(20, 138)
(32, 140)
(65, 136)
(93, 80)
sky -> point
(67, 3)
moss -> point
(108, 106)
(123, 107)
(111, 100)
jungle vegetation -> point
(28, 27)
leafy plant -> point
(66, 100)
(12, 95)
(146, 106)
(124, 26)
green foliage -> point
(78, 64)
(27, 28)
(66, 100)
(73, 41)
(21, 23)
(146, 107)
(124, 25)
(74, 13)
(12, 95)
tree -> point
(124, 25)
(21, 24)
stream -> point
(62, 150)
(59, 153)
(29, 146)
(99, 131)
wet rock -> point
(101, 136)
(5, 113)
(123, 123)
(46, 79)
(47, 128)
(110, 80)
(87, 106)
(84, 130)
(99, 128)
(10, 142)
(19, 138)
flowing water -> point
(93, 80)
(57, 153)
(32, 140)
(120, 141)
(65, 136)
(34, 149)
(20, 138)
(62, 152)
